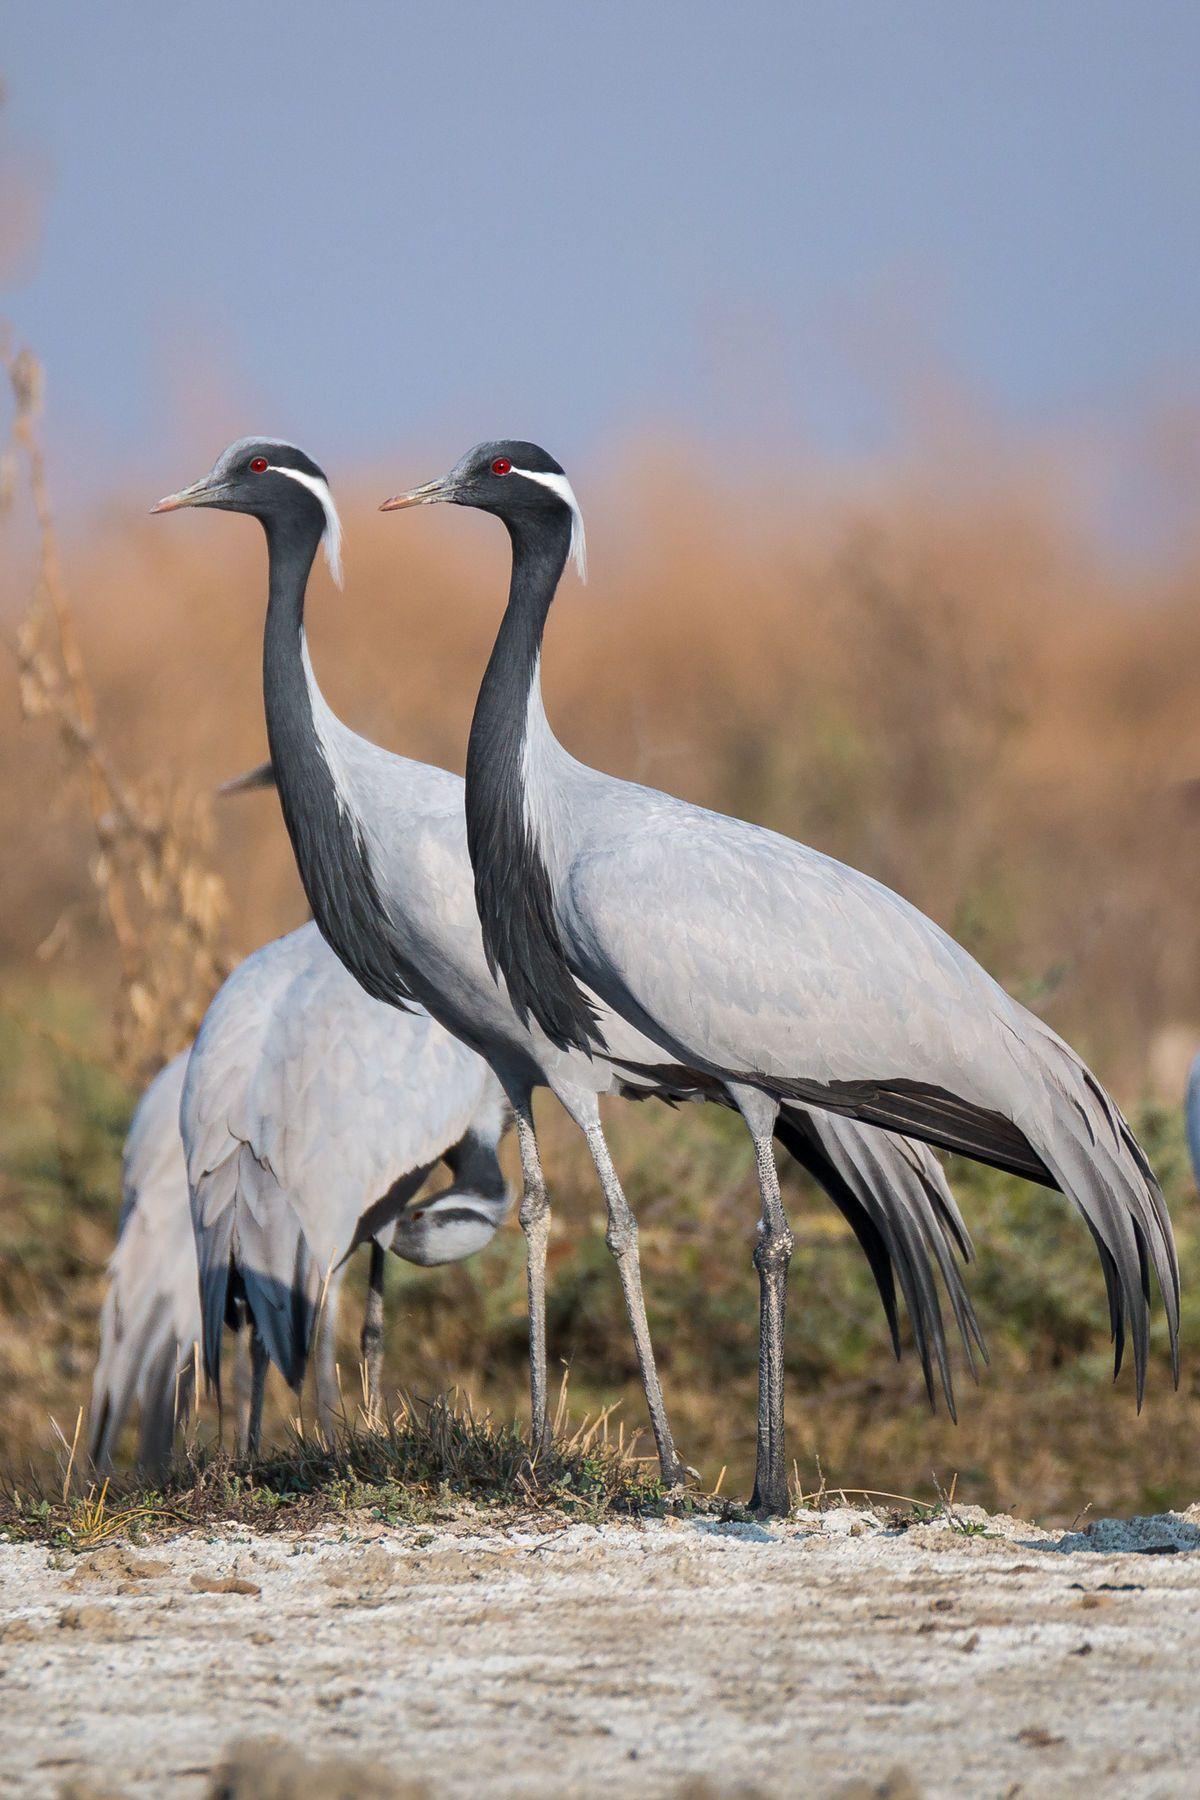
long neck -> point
(327, 835)
(512, 884)
(512, 681)
(291, 550)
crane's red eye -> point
(259, 465)
(501, 466)
(419, 1214)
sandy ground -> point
(829, 1656)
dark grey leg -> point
(772, 1254)
(259, 1361)
(239, 1384)
(329, 1393)
(622, 1240)
(372, 1333)
(535, 1223)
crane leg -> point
(372, 1332)
(772, 1254)
(258, 1387)
(622, 1240)
(239, 1385)
(329, 1396)
(535, 1223)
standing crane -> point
(754, 962)
(311, 1116)
(381, 846)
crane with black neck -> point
(757, 964)
(381, 846)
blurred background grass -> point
(940, 673)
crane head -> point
(273, 481)
(519, 482)
(449, 1227)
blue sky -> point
(372, 225)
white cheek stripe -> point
(459, 1200)
(331, 537)
(558, 484)
(433, 1240)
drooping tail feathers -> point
(1067, 1134)
(895, 1197)
(250, 1245)
(142, 1358)
(1095, 1160)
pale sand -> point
(635, 1659)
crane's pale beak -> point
(201, 493)
(442, 489)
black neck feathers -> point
(334, 866)
(512, 886)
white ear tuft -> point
(331, 537)
(578, 543)
(558, 484)
(331, 541)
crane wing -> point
(769, 963)
(150, 1321)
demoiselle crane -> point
(754, 962)
(311, 1114)
(381, 846)
(314, 1115)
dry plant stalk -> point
(165, 903)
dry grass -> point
(1044, 1433)
(150, 867)
(427, 1462)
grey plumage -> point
(381, 846)
(311, 1114)
(761, 964)
(150, 1321)
(345, 1108)
(813, 982)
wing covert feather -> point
(150, 1320)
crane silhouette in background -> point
(313, 1115)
